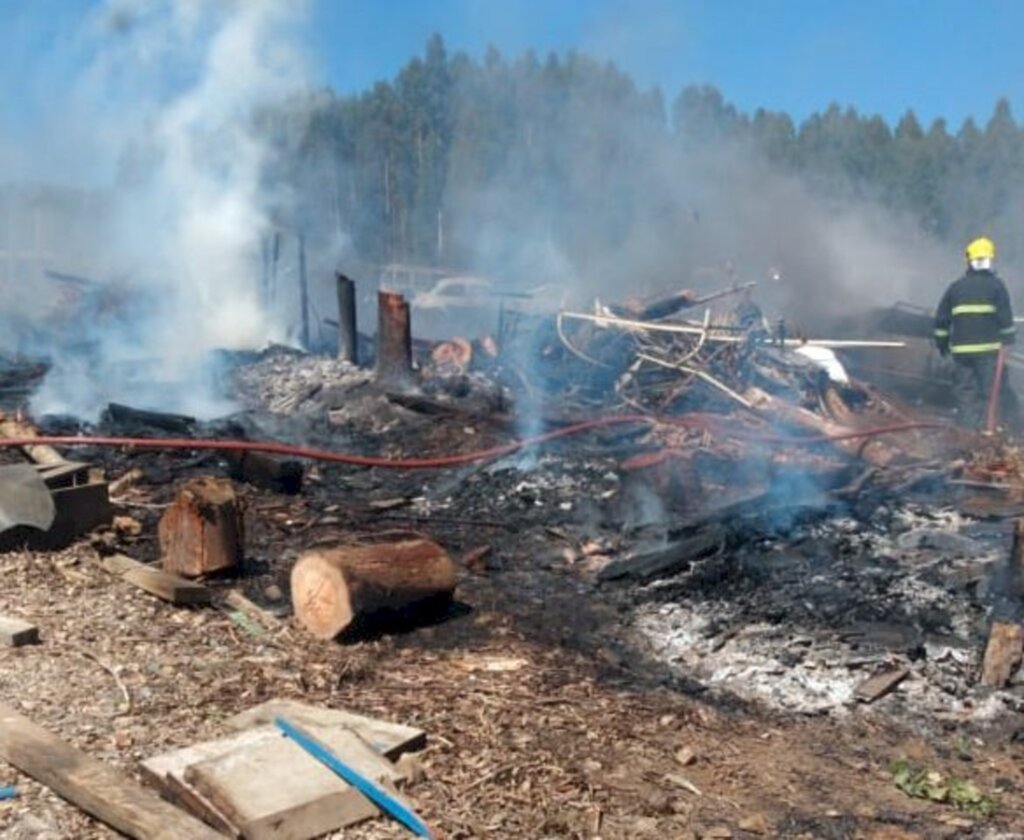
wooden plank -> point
(389, 739)
(14, 632)
(95, 787)
(163, 585)
(273, 790)
(1003, 654)
(876, 687)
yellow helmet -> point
(981, 248)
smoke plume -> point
(160, 126)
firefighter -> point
(973, 323)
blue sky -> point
(949, 58)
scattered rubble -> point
(707, 532)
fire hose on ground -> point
(445, 461)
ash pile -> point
(767, 524)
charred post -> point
(269, 472)
(303, 292)
(347, 336)
(394, 340)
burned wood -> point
(124, 415)
(394, 340)
(348, 337)
(878, 686)
(663, 307)
(1017, 557)
(870, 449)
(202, 532)
(269, 472)
(665, 561)
(303, 292)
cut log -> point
(14, 632)
(201, 532)
(870, 449)
(96, 788)
(163, 585)
(269, 472)
(335, 588)
(1002, 654)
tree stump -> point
(334, 588)
(202, 532)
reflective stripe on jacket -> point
(975, 315)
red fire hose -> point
(442, 461)
(993, 397)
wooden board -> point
(876, 687)
(166, 772)
(274, 790)
(389, 739)
(14, 632)
(157, 582)
(100, 790)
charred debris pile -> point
(765, 525)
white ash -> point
(816, 669)
(281, 381)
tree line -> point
(458, 156)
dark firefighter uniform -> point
(973, 323)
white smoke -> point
(164, 115)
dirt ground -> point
(544, 719)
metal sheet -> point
(24, 498)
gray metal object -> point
(24, 498)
